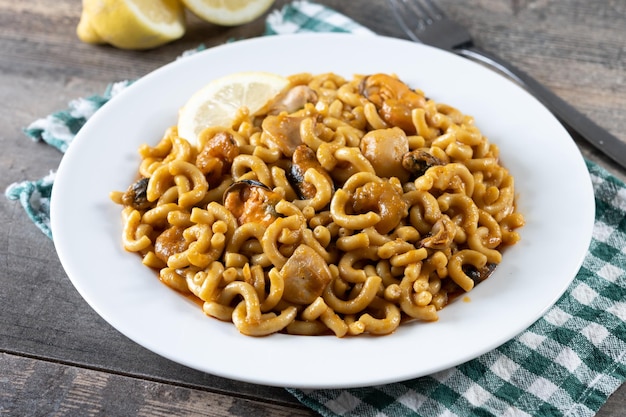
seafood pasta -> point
(345, 207)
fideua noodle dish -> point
(338, 207)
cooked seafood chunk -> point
(393, 99)
(283, 132)
(303, 159)
(217, 156)
(136, 196)
(170, 242)
(293, 99)
(384, 148)
(418, 161)
(442, 234)
(479, 275)
(382, 198)
(252, 201)
(306, 275)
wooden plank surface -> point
(58, 353)
(43, 388)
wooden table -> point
(57, 356)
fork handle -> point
(568, 115)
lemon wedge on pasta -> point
(217, 103)
(228, 12)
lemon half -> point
(217, 103)
(228, 12)
(132, 24)
(85, 31)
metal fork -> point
(424, 22)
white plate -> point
(553, 186)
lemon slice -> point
(132, 24)
(217, 103)
(228, 12)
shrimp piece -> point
(393, 99)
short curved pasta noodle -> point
(359, 207)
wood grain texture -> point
(60, 356)
(42, 388)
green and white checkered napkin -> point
(566, 364)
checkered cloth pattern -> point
(566, 364)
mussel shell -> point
(243, 184)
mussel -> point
(418, 161)
(136, 196)
(303, 159)
(252, 201)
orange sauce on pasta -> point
(368, 206)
